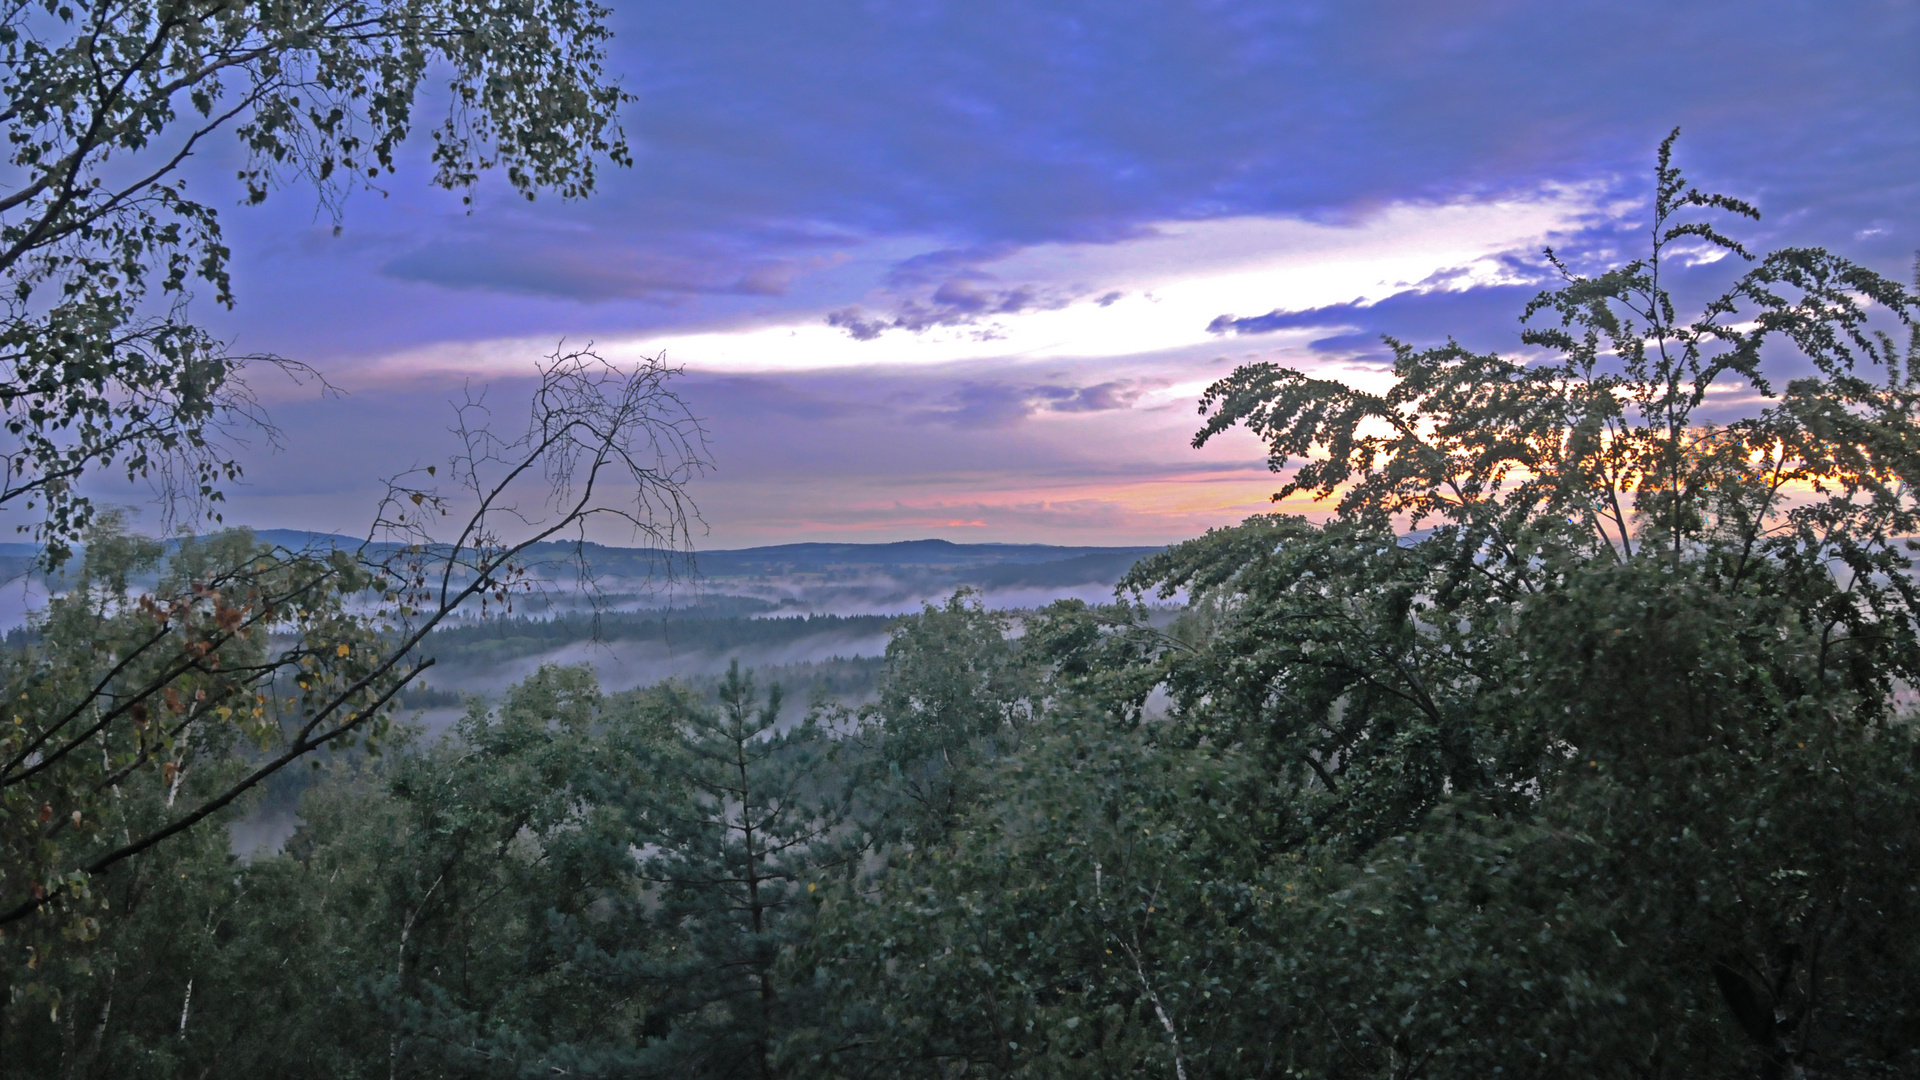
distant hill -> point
(819, 558)
(815, 576)
(779, 558)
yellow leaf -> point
(342, 650)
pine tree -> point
(756, 818)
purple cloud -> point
(957, 302)
(589, 273)
(994, 404)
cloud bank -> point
(931, 262)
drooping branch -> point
(591, 424)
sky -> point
(962, 270)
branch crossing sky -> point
(962, 269)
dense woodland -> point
(1571, 737)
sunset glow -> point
(995, 321)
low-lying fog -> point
(623, 665)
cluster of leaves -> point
(101, 245)
(121, 702)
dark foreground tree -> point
(130, 709)
(485, 892)
(1573, 744)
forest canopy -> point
(1572, 738)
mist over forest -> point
(813, 617)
